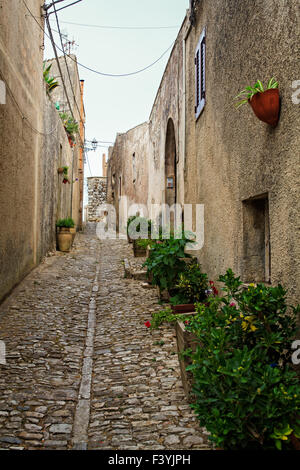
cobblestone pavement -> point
(82, 369)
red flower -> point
(215, 291)
(186, 322)
(147, 324)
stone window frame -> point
(200, 73)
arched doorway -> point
(170, 165)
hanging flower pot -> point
(71, 141)
(265, 103)
(65, 181)
(60, 170)
(266, 106)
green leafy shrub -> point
(66, 223)
(166, 316)
(165, 261)
(246, 392)
(192, 284)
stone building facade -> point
(245, 173)
(75, 91)
(33, 145)
(97, 187)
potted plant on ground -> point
(165, 262)
(136, 224)
(191, 287)
(65, 233)
(265, 103)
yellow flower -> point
(253, 328)
(244, 325)
(258, 390)
(252, 285)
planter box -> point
(138, 251)
(185, 340)
(183, 308)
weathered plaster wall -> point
(231, 155)
(55, 197)
(33, 144)
(97, 188)
(74, 89)
(168, 105)
(127, 172)
(21, 67)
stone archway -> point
(170, 165)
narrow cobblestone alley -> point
(82, 369)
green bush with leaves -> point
(250, 91)
(246, 392)
(192, 284)
(66, 223)
(166, 316)
(165, 261)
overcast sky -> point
(118, 104)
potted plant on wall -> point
(65, 233)
(265, 103)
(63, 170)
(71, 127)
(51, 83)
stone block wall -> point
(96, 196)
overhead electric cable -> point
(67, 66)
(119, 27)
(96, 71)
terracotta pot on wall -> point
(266, 106)
(60, 170)
(64, 239)
(71, 141)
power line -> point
(120, 27)
(96, 71)
(67, 67)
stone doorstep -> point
(131, 273)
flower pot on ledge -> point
(266, 106)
